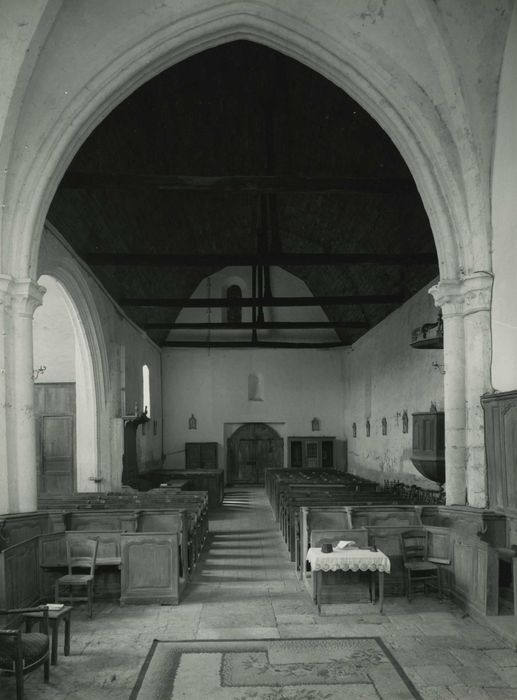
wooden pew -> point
(19, 527)
(150, 571)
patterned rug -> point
(356, 668)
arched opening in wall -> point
(146, 391)
(272, 168)
(64, 389)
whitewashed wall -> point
(384, 377)
(119, 350)
(213, 385)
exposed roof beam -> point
(271, 258)
(239, 183)
(249, 344)
(188, 302)
(266, 325)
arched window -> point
(234, 296)
(146, 391)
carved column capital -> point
(448, 294)
(477, 290)
(464, 296)
(26, 296)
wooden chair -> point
(80, 555)
(414, 547)
(20, 653)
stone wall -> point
(385, 377)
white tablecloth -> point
(348, 560)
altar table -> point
(349, 559)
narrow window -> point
(146, 391)
(234, 296)
(354, 430)
(384, 424)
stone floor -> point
(246, 587)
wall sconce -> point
(36, 372)
(316, 424)
(192, 422)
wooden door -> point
(55, 435)
(253, 448)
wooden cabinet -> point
(201, 455)
(501, 448)
(311, 452)
(428, 454)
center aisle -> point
(245, 580)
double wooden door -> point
(55, 437)
(253, 448)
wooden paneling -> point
(311, 452)
(55, 445)
(201, 455)
(18, 527)
(150, 572)
(501, 448)
(101, 520)
(20, 574)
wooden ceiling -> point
(242, 156)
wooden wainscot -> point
(19, 527)
(473, 568)
(20, 574)
(150, 570)
(102, 520)
(173, 520)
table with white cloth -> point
(349, 559)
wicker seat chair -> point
(20, 653)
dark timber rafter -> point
(261, 258)
(245, 325)
(249, 344)
(188, 302)
(240, 183)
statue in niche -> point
(255, 387)
(405, 427)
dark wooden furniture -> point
(79, 555)
(54, 618)
(21, 653)
(428, 453)
(201, 455)
(311, 452)
(419, 570)
(501, 450)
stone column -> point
(448, 295)
(467, 356)
(5, 308)
(478, 356)
(26, 296)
